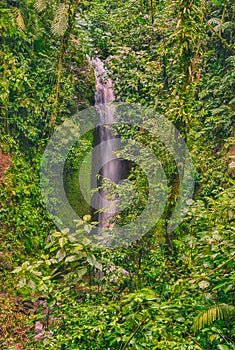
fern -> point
(16, 16)
(60, 22)
(20, 20)
(227, 26)
(214, 313)
(215, 21)
(40, 5)
(218, 25)
(231, 60)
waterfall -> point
(108, 164)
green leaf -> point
(223, 347)
(31, 284)
(56, 234)
(17, 269)
(61, 254)
(62, 242)
(217, 2)
(36, 273)
(65, 231)
(71, 258)
(78, 247)
(25, 265)
(98, 265)
(49, 245)
(219, 286)
(81, 272)
(22, 283)
(88, 228)
(91, 259)
(86, 241)
(203, 284)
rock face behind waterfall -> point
(108, 165)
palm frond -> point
(214, 313)
(60, 22)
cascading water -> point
(108, 164)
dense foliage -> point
(165, 291)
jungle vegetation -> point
(166, 290)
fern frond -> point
(227, 25)
(60, 22)
(216, 21)
(40, 5)
(16, 16)
(214, 313)
(219, 25)
(231, 60)
(20, 20)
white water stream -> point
(110, 165)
